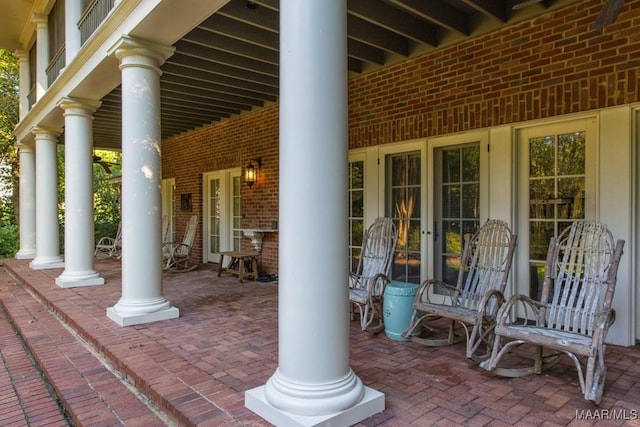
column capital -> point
(78, 106)
(132, 51)
(21, 54)
(40, 20)
(25, 146)
(46, 131)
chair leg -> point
(595, 376)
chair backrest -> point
(190, 232)
(580, 277)
(486, 262)
(378, 245)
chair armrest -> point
(106, 241)
(528, 303)
(490, 304)
(423, 291)
(376, 285)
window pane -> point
(413, 177)
(540, 234)
(571, 152)
(470, 162)
(451, 201)
(450, 166)
(357, 204)
(571, 197)
(471, 200)
(541, 156)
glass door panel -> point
(356, 211)
(557, 187)
(457, 205)
(403, 204)
(214, 213)
(237, 212)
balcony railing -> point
(57, 63)
(93, 16)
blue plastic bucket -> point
(397, 308)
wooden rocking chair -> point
(574, 312)
(176, 256)
(474, 301)
(108, 247)
(367, 283)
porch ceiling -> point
(229, 64)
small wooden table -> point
(237, 264)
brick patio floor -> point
(194, 370)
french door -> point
(404, 203)
(222, 213)
(456, 205)
(557, 183)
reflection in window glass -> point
(459, 192)
(556, 194)
(403, 205)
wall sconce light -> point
(251, 171)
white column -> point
(23, 61)
(72, 39)
(42, 54)
(47, 237)
(313, 384)
(78, 194)
(142, 300)
(27, 202)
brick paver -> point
(196, 368)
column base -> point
(26, 254)
(74, 280)
(129, 319)
(371, 403)
(43, 263)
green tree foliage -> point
(106, 192)
(9, 85)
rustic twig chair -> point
(176, 256)
(367, 283)
(574, 312)
(474, 301)
(108, 247)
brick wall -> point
(226, 145)
(547, 66)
